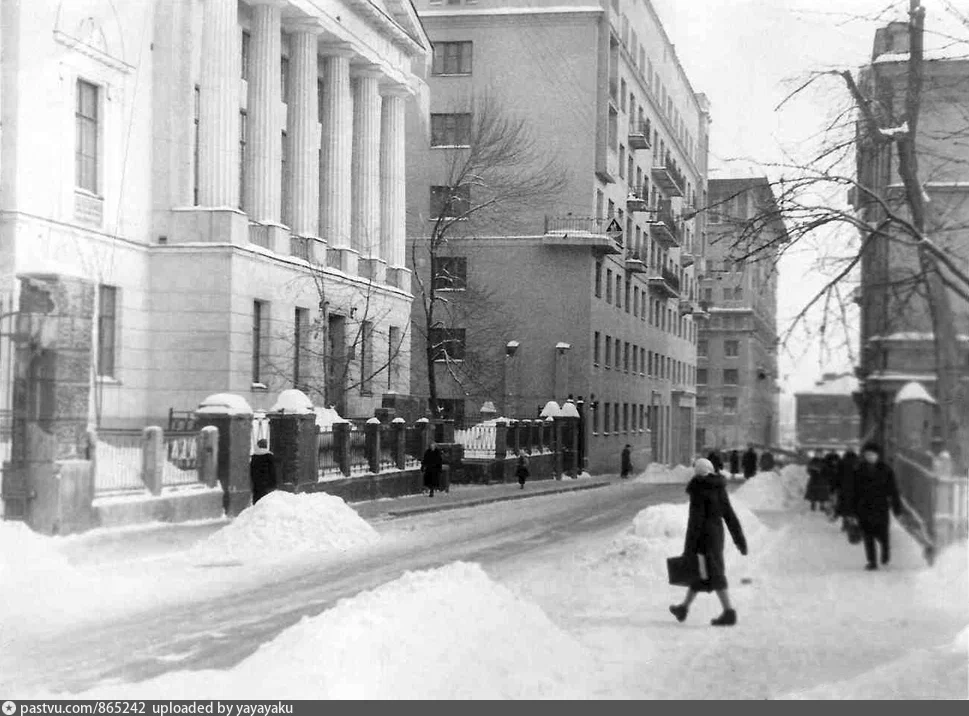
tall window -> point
(366, 357)
(626, 298)
(619, 291)
(450, 273)
(244, 68)
(730, 405)
(107, 327)
(635, 301)
(625, 356)
(394, 344)
(598, 279)
(608, 286)
(701, 376)
(450, 202)
(730, 376)
(86, 129)
(243, 128)
(447, 343)
(731, 348)
(702, 403)
(451, 130)
(258, 316)
(301, 321)
(452, 58)
(615, 416)
(195, 150)
(606, 415)
(702, 347)
(596, 340)
(284, 79)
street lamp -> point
(511, 385)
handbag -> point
(686, 569)
(854, 532)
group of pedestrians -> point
(861, 492)
(747, 463)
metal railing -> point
(576, 224)
(479, 441)
(671, 278)
(387, 458)
(181, 459)
(119, 462)
(643, 127)
(326, 453)
(413, 447)
(359, 464)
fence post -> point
(372, 436)
(423, 426)
(399, 436)
(341, 446)
(152, 458)
(501, 439)
(208, 455)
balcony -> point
(701, 311)
(639, 134)
(687, 259)
(668, 177)
(664, 229)
(664, 282)
(583, 231)
(635, 262)
(636, 200)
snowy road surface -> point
(222, 630)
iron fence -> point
(359, 464)
(181, 459)
(119, 462)
(326, 451)
(387, 458)
(479, 441)
(413, 447)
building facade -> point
(591, 290)
(738, 397)
(227, 179)
(897, 339)
(826, 416)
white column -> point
(365, 216)
(303, 134)
(393, 177)
(263, 140)
(219, 105)
(337, 146)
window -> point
(450, 202)
(596, 339)
(701, 376)
(642, 418)
(708, 295)
(107, 327)
(599, 200)
(366, 357)
(702, 403)
(447, 343)
(450, 273)
(243, 128)
(632, 418)
(702, 347)
(611, 209)
(615, 416)
(622, 161)
(244, 68)
(301, 321)
(635, 301)
(394, 345)
(608, 285)
(608, 351)
(598, 280)
(259, 316)
(606, 414)
(625, 417)
(738, 293)
(284, 80)
(731, 349)
(451, 130)
(727, 294)
(452, 58)
(619, 291)
(625, 356)
(730, 405)
(626, 297)
(595, 420)
(730, 376)
(86, 129)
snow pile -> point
(283, 523)
(408, 639)
(658, 474)
(26, 556)
(945, 585)
(773, 491)
(327, 417)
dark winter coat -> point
(432, 466)
(832, 471)
(766, 461)
(846, 475)
(709, 509)
(714, 458)
(262, 473)
(873, 492)
(627, 462)
(750, 463)
(818, 489)
(521, 469)
(734, 462)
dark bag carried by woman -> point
(854, 531)
(686, 569)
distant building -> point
(737, 390)
(610, 316)
(897, 340)
(827, 416)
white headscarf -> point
(702, 466)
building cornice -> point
(513, 11)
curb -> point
(489, 500)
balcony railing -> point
(664, 282)
(576, 225)
(664, 228)
(635, 262)
(636, 199)
(671, 278)
(668, 176)
(582, 231)
(639, 134)
(687, 259)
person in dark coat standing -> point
(714, 458)
(817, 491)
(709, 509)
(873, 492)
(734, 462)
(262, 471)
(846, 474)
(626, 461)
(832, 474)
(750, 462)
(521, 468)
(432, 466)
(766, 461)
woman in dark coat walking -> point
(521, 468)
(714, 459)
(432, 466)
(832, 473)
(709, 509)
(766, 461)
(734, 462)
(873, 492)
(817, 487)
(262, 471)
(846, 475)
(749, 462)
(626, 461)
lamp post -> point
(511, 378)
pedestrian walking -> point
(432, 465)
(734, 463)
(749, 462)
(766, 461)
(262, 471)
(846, 471)
(626, 462)
(831, 468)
(709, 508)
(714, 458)
(817, 492)
(521, 468)
(873, 493)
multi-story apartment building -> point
(827, 418)
(897, 339)
(737, 390)
(222, 179)
(593, 287)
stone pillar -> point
(501, 440)
(372, 437)
(152, 458)
(423, 427)
(558, 446)
(304, 134)
(399, 433)
(293, 436)
(219, 106)
(337, 159)
(393, 179)
(263, 187)
(914, 417)
(208, 456)
(341, 446)
(365, 212)
(232, 416)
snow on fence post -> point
(423, 428)
(372, 436)
(152, 458)
(501, 439)
(399, 436)
(341, 446)
(208, 456)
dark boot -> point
(871, 567)
(432, 493)
(728, 618)
(679, 611)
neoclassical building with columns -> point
(225, 180)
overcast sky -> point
(744, 54)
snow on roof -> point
(844, 384)
(569, 410)
(910, 336)
(551, 410)
(292, 401)
(327, 417)
(956, 51)
(224, 404)
(914, 391)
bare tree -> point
(493, 169)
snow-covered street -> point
(560, 596)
